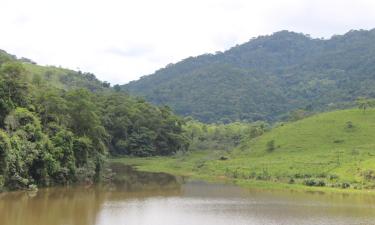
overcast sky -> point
(121, 40)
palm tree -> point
(364, 103)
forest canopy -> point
(58, 126)
(266, 78)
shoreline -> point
(149, 164)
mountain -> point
(266, 78)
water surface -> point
(139, 198)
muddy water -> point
(137, 198)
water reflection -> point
(51, 206)
(132, 181)
(138, 198)
(81, 205)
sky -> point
(122, 40)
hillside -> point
(334, 146)
(266, 78)
(56, 76)
(334, 149)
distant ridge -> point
(267, 77)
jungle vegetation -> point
(58, 126)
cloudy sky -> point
(121, 40)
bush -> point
(349, 125)
(312, 182)
(333, 177)
(345, 185)
(368, 175)
(270, 146)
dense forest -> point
(58, 126)
(267, 78)
(219, 136)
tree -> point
(364, 103)
(37, 80)
(51, 106)
(26, 137)
(82, 148)
(297, 115)
(4, 153)
(13, 88)
(83, 113)
(117, 88)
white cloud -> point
(121, 40)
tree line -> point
(50, 135)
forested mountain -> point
(57, 126)
(266, 78)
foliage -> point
(57, 125)
(138, 128)
(221, 136)
(13, 88)
(365, 103)
(266, 78)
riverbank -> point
(211, 166)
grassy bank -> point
(202, 166)
(333, 151)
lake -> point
(140, 198)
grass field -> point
(335, 149)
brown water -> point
(160, 199)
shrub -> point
(223, 158)
(270, 146)
(345, 185)
(368, 175)
(333, 177)
(349, 125)
(312, 182)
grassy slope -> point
(321, 148)
(62, 78)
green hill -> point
(64, 78)
(56, 76)
(266, 78)
(335, 149)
